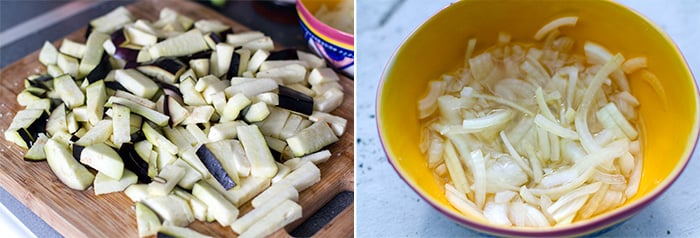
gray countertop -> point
(387, 207)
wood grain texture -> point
(83, 214)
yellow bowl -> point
(669, 132)
(336, 46)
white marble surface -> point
(387, 207)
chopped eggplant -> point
(136, 83)
(146, 220)
(93, 53)
(25, 127)
(166, 180)
(69, 91)
(165, 69)
(134, 162)
(312, 139)
(171, 208)
(207, 153)
(104, 184)
(65, 167)
(295, 101)
(184, 44)
(72, 48)
(100, 71)
(261, 161)
(48, 54)
(219, 207)
(104, 159)
(36, 151)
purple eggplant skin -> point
(130, 55)
(138, 136)
(114, 85)
(169, 89)
(55, 102)
(214, 37)
(171, 65)
(77, 151)
(131, 65)
(101, 70)
(286, 54)
(31, 133)
(214, 167)
(234, 66)
(118, 37)
(199, 55)
(223, 34)
(295, 101)
(166, 108)
(163, 235)
(134, 162)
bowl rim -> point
(330, 34)
(589, 226)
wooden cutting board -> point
(83, 214)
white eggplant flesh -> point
(104, 159)
(285, 213)
(48, 54)
(275, 193)
(219, 207)
(171, 209)
(312, 139)
(136, 83)
(146, 220)
(97, 134)
(303, 177)
(261, 160)
(69, 91)
(65, 167)
(104, 184)
(137, 192)
(249, 188)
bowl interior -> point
(669, 129)
(307, 9)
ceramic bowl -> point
(669, 126)
(336, 46)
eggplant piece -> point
(36, 153)
(41, 81)
(130, 55)
(214, 37)
(214, 166)
(164, 69)
(26, 126)
(93, 53)
(101, 70)
(234, 67)
(134, 162)
(295, 101)
(193, 40)
(147, 221)
(138, 136)
(131, 65)
(65, 167)
(136, 82)
(77, 150)
(114, 85)
(286, 54)
(205, 54)
(170, 89)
